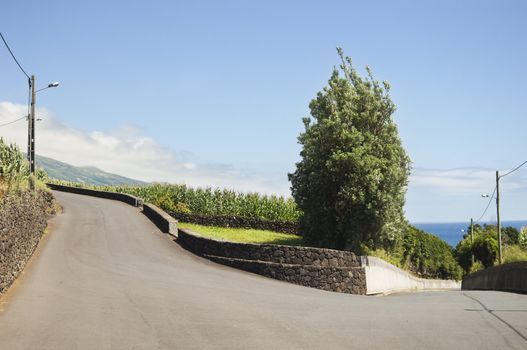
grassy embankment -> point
(242, 235)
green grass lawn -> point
(243, 235)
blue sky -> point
(209, 92)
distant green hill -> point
(88, 175)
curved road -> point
(106, 278)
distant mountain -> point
(89, 175)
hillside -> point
(88, 175)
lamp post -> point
(500, 258)
(31, 124)
(498, 214)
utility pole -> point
(31, 130)
(472, 239)
(498, 214)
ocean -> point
(452, 232)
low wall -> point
(126, 198)
(326, 269)
(268, 252)
(510, 277)
(162, 220)
(239, 222)
(22, 223)
(383, 278)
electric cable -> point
(14, 58)
(13, 121)
(513, 170)
(488, 205)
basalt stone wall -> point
(22, 223)
(238, 222)
(326, 269)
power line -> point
(488, 205)
(13, 55)
(13, 121)
(513, 170)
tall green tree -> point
(351, 181)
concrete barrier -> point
(384, 278)
(510, 277)
(126, 198)
(161, 219)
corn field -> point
(208, 201)
(13, 167)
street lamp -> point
(31, 124)
(498, 221)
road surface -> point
(106, 278)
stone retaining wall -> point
(327, 269)
(22, 223)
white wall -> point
(382, 277)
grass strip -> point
(242, 235)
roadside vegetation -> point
(424, 254)
(208, 201)
(14, 171)
(484, 247)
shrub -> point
(428, 255)
(514, 253)
(522, 239)
(423, 254)
(484, 248)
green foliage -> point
(428, 255)
(476, 267)
(510, 235)
(208, 201)
(423, 254)
(522, 238)
(514, 253)
(486, 250)
(14, 169)
(463, 254)
(351, 181)
(243, 235)
(484, 247)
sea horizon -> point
(452, 232)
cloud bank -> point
(127, 152)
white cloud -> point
(455, 194)
(464, 181)
(127, 152)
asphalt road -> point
(106, 278)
